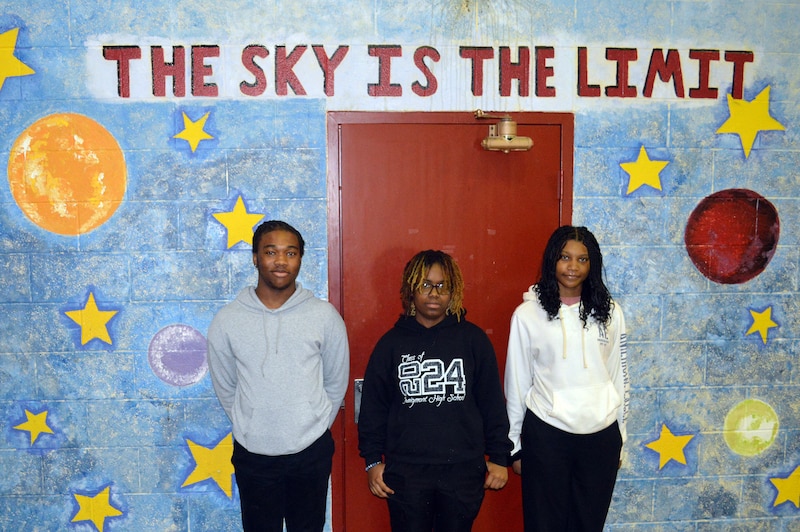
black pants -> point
(292, 487)
(443, 498)
(567, 479)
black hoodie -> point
(433, 396)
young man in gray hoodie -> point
(279, 362)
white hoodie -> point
(571, 377)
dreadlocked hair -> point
(416, 271)
(595, 297)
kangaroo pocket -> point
(281, 427)
(586, 409)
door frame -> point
(334, 121)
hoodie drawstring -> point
(274, 343)
(583, 345)
(563, 333)
(564, 338)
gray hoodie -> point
(280, 374)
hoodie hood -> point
(409, 323)
(271, 320)
(531, 294)
(249, 299)
(573, 311)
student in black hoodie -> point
(432, 407)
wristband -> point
(373, 464)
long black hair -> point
(595, 297)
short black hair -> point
(277, 225)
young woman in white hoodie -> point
(567, 388)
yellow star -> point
(788, 488)
(213, 463)
(36, 424)
(669, 447)
(748, 118)
(95, 509)
(762, 323)
(92, 321)
(239, 223)
(643, 171)
(193, 132)
(10, 66)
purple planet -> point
(177, 355)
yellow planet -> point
(67, 173)
(750, 427)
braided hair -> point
(595, 297)
(277, 225)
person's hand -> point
(376, 484)
(496, 476)
(517, 466)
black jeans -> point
(292, 487)
(443, 498)
(567, 479)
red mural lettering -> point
(420, 54)
(329, 65)
(665, 69)
(665, 65)
(622, 56)
(200, 70)
(544, 71)
(703, 90)
(738, 59)
(284, 75)
(477, 55)
(584, 89)
(384, 87)
(122, 55)
(249, 55)
(521, 71)
(162, 69)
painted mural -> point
(143, 145)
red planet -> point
(732, 235)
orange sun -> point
(67, 173)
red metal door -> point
(402, 182)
